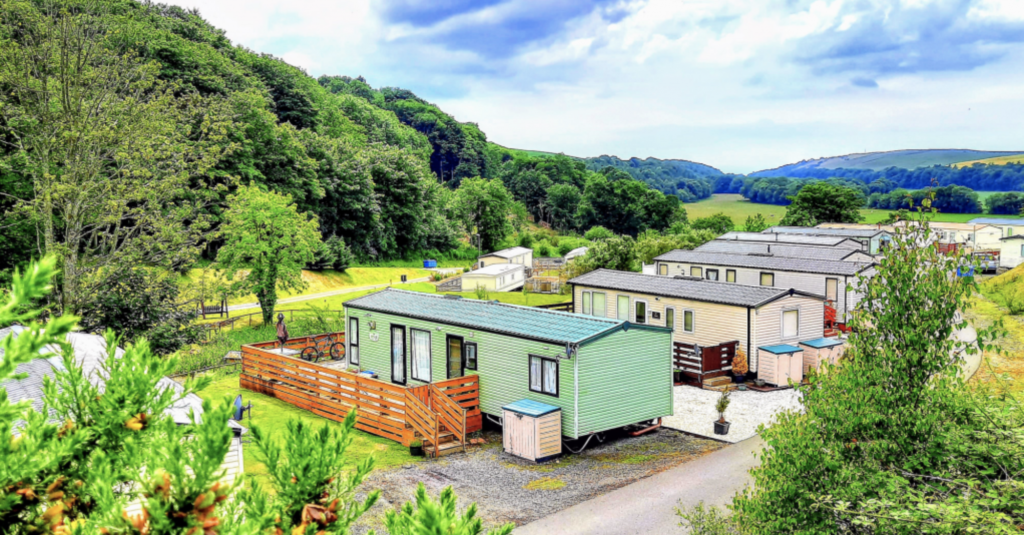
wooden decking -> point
(439, 414)
(700, 363)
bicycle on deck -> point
(323, 347)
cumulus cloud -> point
(740, 84)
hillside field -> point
(739, 208)
(998, 160)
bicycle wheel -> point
(310, 354)
(337, 351)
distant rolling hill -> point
(998, 160)
(876, 161)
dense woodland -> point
(980, 177)
(382, 170)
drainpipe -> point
(749, 350)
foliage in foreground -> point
(418, 520)
(891, 440)
(104, 456)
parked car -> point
(987, 261)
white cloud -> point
(739, 84)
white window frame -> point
(782, 326)
(665, 312)
(693, 322)
(618, 299)
(647, 311)
(587, 303)
(414, 361)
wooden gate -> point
(699, 362)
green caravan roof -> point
(513, 320)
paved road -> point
(648, 506)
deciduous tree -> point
(267, 241)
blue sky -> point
(738, 84)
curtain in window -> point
(670, 318)
(586, 303)
(550, 376)
(421, 356)
(398, 355)
(600, 307)
(623, 307)
(535, 374)
(688, 321)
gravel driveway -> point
(695, 411)
(509, 489)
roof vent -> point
(687, 278)
(760, 254)
(452, 296)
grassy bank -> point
(272, 415)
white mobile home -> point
(495, 278)
(1011, 251)
(786, 250)
(872, 240)
(513, 255)
(833, 279)
(703, 313)
(792, 239)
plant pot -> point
(721, 428)
(416, 451)
(739, 378)
(742, 387)
(677, 376)
(759, 382)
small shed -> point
(780, 364)
(532, 430)
(820, 350)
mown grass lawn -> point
(271, 415)
(325, 281)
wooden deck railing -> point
(449, 412)
(383, 409)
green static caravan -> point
(602, 373)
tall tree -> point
(267, 241)
(824, 203)
(562, 202)
(484, 207)
(891, 440)
(108, 148)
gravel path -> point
(509, 489)
(695, 411)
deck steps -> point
(446, 448)
(718, 381)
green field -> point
(998, 160)
(739, 208)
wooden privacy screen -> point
(700, 362)
(383, 409)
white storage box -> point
(532, 430)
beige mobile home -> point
(871, 239)
(1007, 227)
(495, 278)
(786, 250)
(703, 313)
(833, 279)
(513, 255)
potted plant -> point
(677, 376)
(416, 448)
(722, 426)
(759, 382)
(739, 367)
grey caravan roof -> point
(799, 265)
(997, 221)
(786, 250)
(691, 288)
(855, 233)
(511, 252)
(492, 316)
(90, 352)
(795, 239)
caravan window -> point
(790, 323)
(663, 269)
(730, 275)
(622, 311)
(544, 375)
(696, 271)
(712, 274)
(767, 279)
(600, 308)
(586, 303)
(353, 341)
(420, 355)
(641, 311)
(688, 321)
